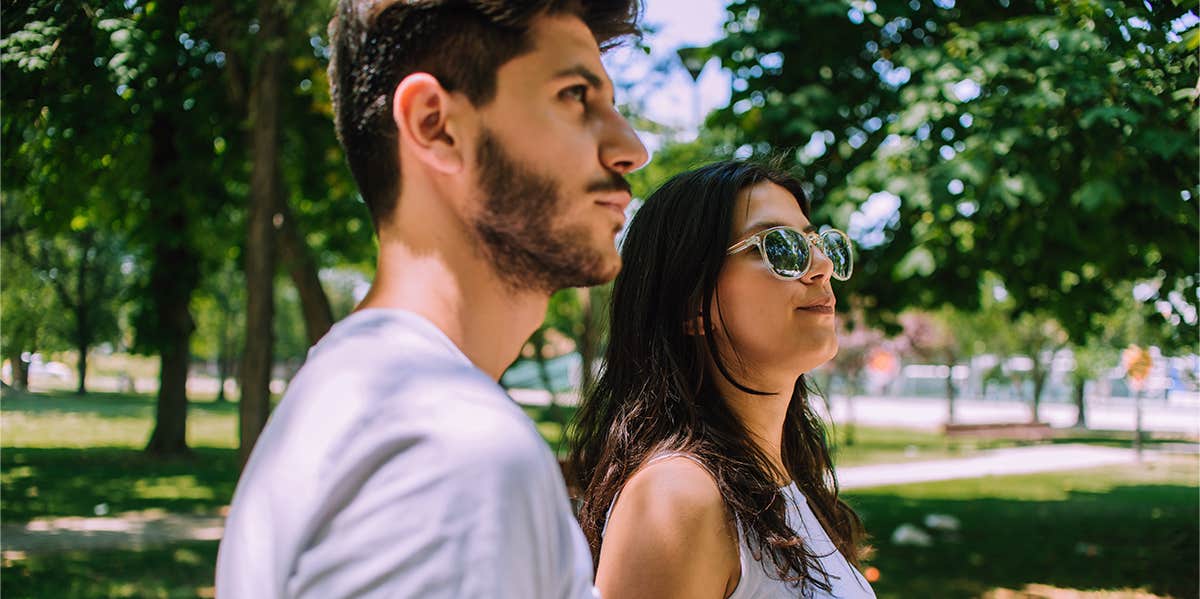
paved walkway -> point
(929, 413)
(152, 528)
(995, 462)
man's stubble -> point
(518, 232)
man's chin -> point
(599, 273)
(612, 267)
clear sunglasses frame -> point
(812, 238)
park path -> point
(152, 528)
(995, 462)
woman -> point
(698, 449)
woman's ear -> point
(423, 112)
(694, 326)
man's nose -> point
(620, 148)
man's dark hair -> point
(463, 43)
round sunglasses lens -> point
(787, 252)
(836, 246)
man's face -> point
(551, 156)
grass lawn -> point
(184, 570)
(1116, 528)
(1124, 527)
(1111, 529)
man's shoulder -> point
(390, 361)
(472, 432)
(456, 413)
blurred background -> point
(1014, 409)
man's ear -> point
(422, 110)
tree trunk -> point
(20, 371)
(82, 321)
(223, 360)
(296, 258)
(538, 339)
(950, 394)
(174, 271)
(173, 279)
(587, 340)
(826, 389)
(170, 431)
(1080, 402)
(827, 398)
(265, 183)
(851, 392)
(1039, 383)
(81, 367)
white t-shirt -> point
(394, 467)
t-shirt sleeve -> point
(421, 511)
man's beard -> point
(517, 230)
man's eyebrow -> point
(579, 70)
(767, 224)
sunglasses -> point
(789, 252)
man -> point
(484, 140)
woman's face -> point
(776, 328)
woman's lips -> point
(818, 309)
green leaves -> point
(1028, 140)
(1097, 195)
(31, 47)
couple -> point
(484, 140)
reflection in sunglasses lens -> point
(837, 247)
(787, 252)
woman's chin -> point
(819, 354)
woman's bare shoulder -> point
(669, 529)
(681, 485)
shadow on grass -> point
(73, 482)
(1123, 439)
(183, 570)
(1126, 537)
(103, 405)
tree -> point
(28, 318)
(101, 101)
(934, 339)
(83, 269)
(220, 321)
(165, 322)
(266, 197)
(856, 341)
(279, 83)
(1092, 359)
(161, 161)
(1041, 339)
(1051, 143)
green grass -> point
(39, 481)
(1120, 527)
(179, 571)
(62, 419)
(894, 445)
(1114, 528)
(889, 445)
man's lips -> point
(617, 202)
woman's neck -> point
(763, 417)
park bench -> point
(1020, 431)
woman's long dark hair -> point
(656, 393)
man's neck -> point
(433, 270)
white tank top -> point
(844, 580)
